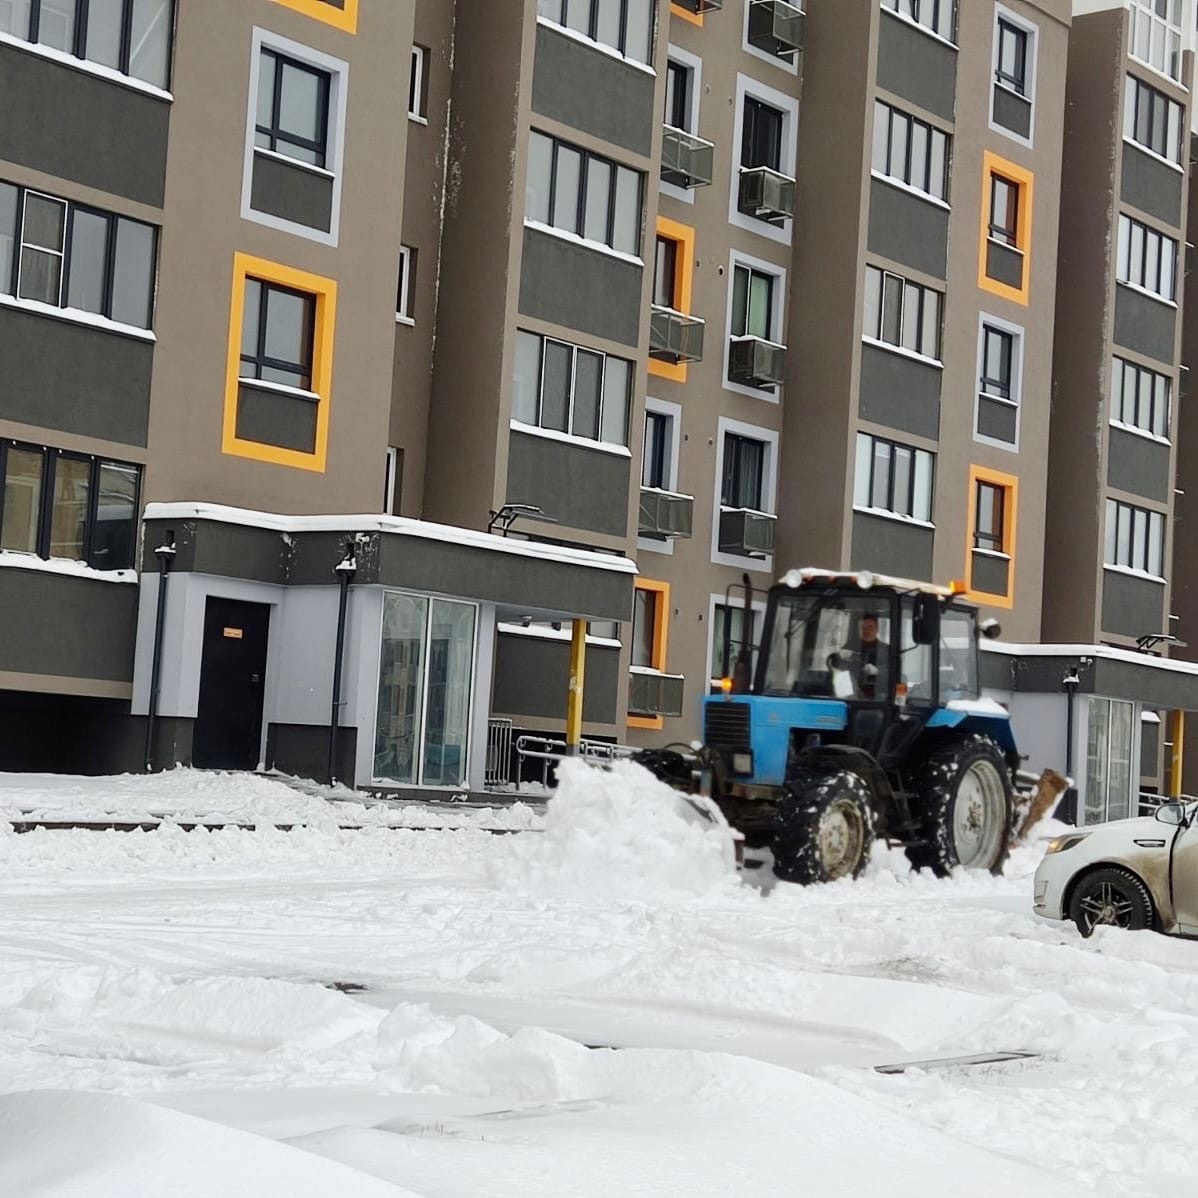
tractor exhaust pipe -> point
(742, 678)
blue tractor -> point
(861, 717)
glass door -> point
(401, 689)
(450, 675)
(1110, 747)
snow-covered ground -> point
(599, 1006)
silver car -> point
(1133, 873)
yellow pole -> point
(1179, 748)
(578, 662)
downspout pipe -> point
(345, 570)
(1070, 682)
(165, 553)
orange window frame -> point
(1010, 485)
(323, 327)
(683, 237)
(345, 19)
(1024, 180)
(661, 635)
(695, 18)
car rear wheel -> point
(1111, 897)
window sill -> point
(994, 553)
(1140, 432)
(86, 67)
(904, 352)
(1002, 399)
(1011, 91)
(931, 33)
(14, 559)
(1131, 141)
(1177, 83)
(897, 517)
(1152, 295)
(278, 389)
(550, 434)
(586, 243)
(602, 48)
(1004, 245)
(417, 119)
(310, 167)
(899, 185)
(78, 316)
(1132, 573)
(410, 321)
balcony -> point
(686, 160)
(776, 27)
(675, 337)
(746, 533)
(666, 514)
(652, 693)
(766, 194)
(755, 362)
(699, 7)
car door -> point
(1185, 878)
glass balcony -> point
(766, 194)
(776, 27)
(686, 160)
(747, 533)
(756, 362)
(675, 337)
(666, 514)
(651, 693)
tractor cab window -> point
(958, 655)
(837, 648)
(915, 661)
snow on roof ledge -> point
(1130, 656)
(55, 565)
(396, 526)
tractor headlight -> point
(742, 763)
(1059, 844)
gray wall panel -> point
(66, 376)
(991, 575)
(1139, 465)
(580, 488)
(73, 124)
(302, 750)
(899, 392)
(583, 289)
(1144, 324)
(292, 193)
(532, 677)
(1012, 112)
(1004, 264)
(1132, 606)
(908, 229)
(891, 547)
(593, 91)
(917, 67)
(998, 421)
(71, 627)
(1151, 185)
(271, 418)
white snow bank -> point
(620, 833)
(80, 1145)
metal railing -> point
(546, 751)
(499, 752)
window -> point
(405, 306)
(761, 135)
(1004, 210)
(624, 25)
(659, 436)
(893, 478)
(293, 109)
(744, 472)
(1011, 70)
(939, 16)
(65, 505)
(1156, 35)
(679, 82)
(68, 256)
(998, 356)
(1135, 538)
(583, 194)
(1140, 398)
(418, 84)
(989, 530)
(901, 313)
(730, 621)
(1109, 724)
(644, 628)
(665, 265)
(911, 151)
(1147, 259)
(129, 36)
(1152, 120)
(393, 481)
(752, 302)
(1000, 366)
(568, 389)
(277, 334)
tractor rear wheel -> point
(825, 828)
(964, 804)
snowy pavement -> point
(197, 1012)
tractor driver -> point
(873, 659)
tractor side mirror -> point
(925, 620)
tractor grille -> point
(726, 726)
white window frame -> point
(1033, 51)
(1131, 86)
(694, 64)
(674, 412)
(907, 19)
(714, 601)
(390, 478)
(1019, 336)
(889, 513)
(338, 71)
(890, 347)
(19, 245)
(1118, 361)
(769, 489)
(898, 181)
(790, 67)
(1178, 260)
(404, 297)
(419, 61)
(1136, 7)
(1138, 504)
(777, 320)
(746, 85)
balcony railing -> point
(776, 27)
(746, 533)
(766, 194)
(675, 337)
(686, 160)
(652, 693)
(666, 514)
(699, 7)
(756, 362)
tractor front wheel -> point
(964, 803)
(825, 828)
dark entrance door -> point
(228, 729)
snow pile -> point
(618, 832)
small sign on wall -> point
(234, 634)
